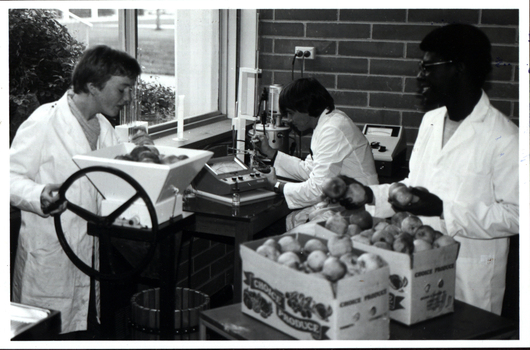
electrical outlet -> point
(305, 50)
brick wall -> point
(368, 58)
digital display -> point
(226, 167)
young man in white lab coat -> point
(338, 147)
(466, 155)
(41, 159)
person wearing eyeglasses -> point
(466, 156)
(338, 147)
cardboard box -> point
(422, 285)
(311, 308)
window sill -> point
(198, 137)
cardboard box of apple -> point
(312, 288)
(421, 259)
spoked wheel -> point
(151, 235)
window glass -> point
(177, 49)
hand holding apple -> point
(422, 203)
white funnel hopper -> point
(158, 180)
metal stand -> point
(169, 244)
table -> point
(241, 223)
(465, 323)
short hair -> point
(305, 95)
(98, 64)
(462, 43)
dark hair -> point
(305, 95)
(98, 64)
(462, 43)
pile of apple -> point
(403, 232)
(332, 260)
(150, 154)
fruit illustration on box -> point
(397, 282)
(255, 302)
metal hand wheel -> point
(151, 235)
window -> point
(164, 41)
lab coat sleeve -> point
(497, 219)
(293, 167)
(24, 166)
(331, 149)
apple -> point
(404, 243)
(383, 245)
(337, 223)
(355, 194)
(272, 242)
(437, 234)
(268, 251)
(148, 157)
(383, 236)
(353, 229)
(443, 241)
(315, 260)
(338, 245)
(152, 148)
(401, 195)
(333, 268)
(380, 225)
(361, 239)
(334, 187)
(394, 230)
(124, 157)
(425, 232)
(394, 187)
(289, 244)
(398, 217)
(421, 245)
(410, 224)
(350, 260)
(370, 261)
(314, 244)
(169, 159)
(289, 259)
(362, 218)
(137, 150)
(367, 233)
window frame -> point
(228, 22)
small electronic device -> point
(226, 175)
(389, 146)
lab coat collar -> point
(69, 127)
(469, 127)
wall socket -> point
(304, 49)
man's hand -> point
(261, 143)
(427, 204)
(49, 202)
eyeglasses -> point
(424, 66)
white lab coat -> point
(339, 148)
(476, 174)
(41, 153)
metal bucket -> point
(145, 314)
